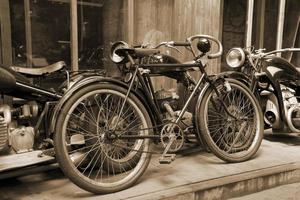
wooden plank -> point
(28, 35)
(249, 22)
(260, 22)
(130, 21)
(177, 20)
(74, 35)
(5, 24)
(164, 24)
(280, 25)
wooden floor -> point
(192, 170)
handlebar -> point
(189, 41)
(282, 50)
(259, 53)
(220, 47)
(173, 44)
(183, 44)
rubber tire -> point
(64, 161)
(205, 134)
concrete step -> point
(194, 174)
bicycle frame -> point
(142, 75)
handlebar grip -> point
(182, 44)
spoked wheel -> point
(236, 134)
(87, 145)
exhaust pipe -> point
(289, 118)
(271, 115)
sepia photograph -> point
(150, 99)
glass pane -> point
(90, 39)
(50, 34)
(18, 32)
(99, 24)
(50, 22)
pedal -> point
(167, 158)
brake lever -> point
(172, 47)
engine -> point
(16, 133)
(291, 106)
(168, 101)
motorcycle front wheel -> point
(87, 145)
(233, 134)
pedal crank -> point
(165, 157)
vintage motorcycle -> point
(105, 128)
(276, 83)
(26, 141)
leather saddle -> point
(41, 70)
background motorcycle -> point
(275, 81)
(104, 129)
(26, 116)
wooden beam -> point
(28, 35)
(249, 23)
(260, 23)
(280, 25)
(5, 33)
(130, 22)
(297, 33)
(74, 36)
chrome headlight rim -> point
(241, 59)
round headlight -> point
(235, 57)
(115, 57)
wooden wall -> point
(176, 20)
(163, 20)
(5, 34)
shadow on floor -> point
(290, 139)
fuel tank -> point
(279, 69)
(7, 80)
(17, 85)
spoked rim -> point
(89, 129)
(235, 133)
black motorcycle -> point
(276, 83)
(26, 115)
(104, 128)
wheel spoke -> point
(89, 123)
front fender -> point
(86, 82)
(216, 78)
(242, 77)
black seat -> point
(138, 52)
(19, 77)
(41, 70)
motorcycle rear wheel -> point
(85, 150)
(231, 139)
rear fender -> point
(92, 80)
